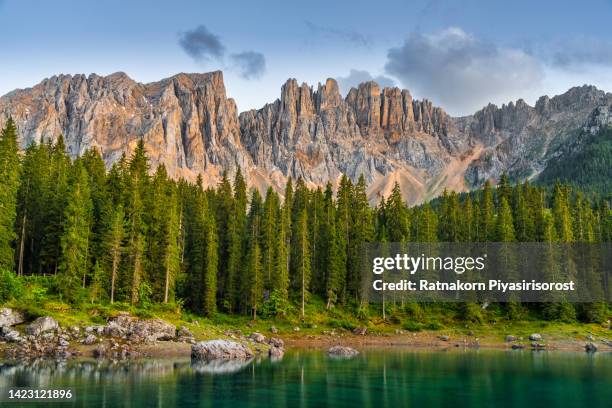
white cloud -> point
(356, 77)
(461, 72)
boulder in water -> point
(276, 352)
(276, 342)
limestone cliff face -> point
(186, 121)
(319, 135)
(190, 125)
(521, 139)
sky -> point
(459, 54)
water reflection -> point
(311, 378)
(220, 366)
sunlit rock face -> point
(190, 125)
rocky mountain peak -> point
(190, 125)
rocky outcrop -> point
(521, 140)
(10, 317)
(41, 325)
(184, 335)
(318, 135)
(190, 125)
(149, 330)
(153, 330)
(186, 121)
(9, 335)
(535, 337)
(220, 350)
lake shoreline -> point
(409, 341)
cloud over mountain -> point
(356, 76)
(204, 46)
(249, 64)
(201, 44)
(461, 71)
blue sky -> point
(460, 54)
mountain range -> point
(189, 124)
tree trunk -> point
(167, 282)
(22, 245)
(114, 275)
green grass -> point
(449, 318)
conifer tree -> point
(301, 258)
(427, 230)
(114, 232)
(170, 243)
(487, 220)
(270, 215)
(361, 232)
(31, 222)
(396, 217)
(55, 196)
(9, 185)
(504, 227)
(254, 280)
(138, 181)
(211, 263)
(280, 283)
(75, 238)
(330, 251)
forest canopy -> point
(132, 234)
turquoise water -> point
(376, 378)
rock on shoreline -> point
(10, 317)
(220, 350)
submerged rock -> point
(220, 349)
(342, 351)
(41, 325)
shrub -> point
(413, 326)
(11, 286)
(434, 325)
(341, 324)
